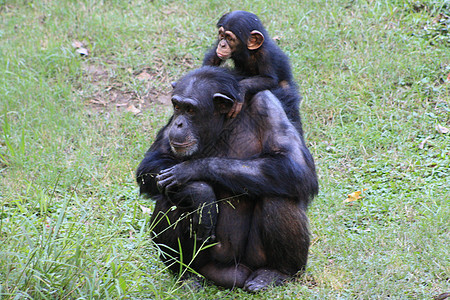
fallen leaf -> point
(442, 296)
(145, 210)
(144, 76)
(98, 101)
(77, 44)
(442, 129)
(82, 51)
(168, 11)
(422, 143)
(276, 38)
(354, 196)
(131, 108)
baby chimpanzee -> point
(259, 62)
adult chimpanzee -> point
(253, 173)
(257, 58)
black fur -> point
(266, 68)
(255, 169)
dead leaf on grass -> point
(442, 296)
(82, 51)
(80, 48)
(168, 11)
(442, 129)
(145, 210)
(121, 104)
(77, 44)
(354, 196)
(144, 76)
(422, 143)
(439, 18)
(98, 102)
(131, 108)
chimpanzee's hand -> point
(173, 177)
(237, 106)
(205, 234)
(167, 180)
(204, 221)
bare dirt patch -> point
(108, 94)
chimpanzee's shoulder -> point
(268, 107)
(267, 102)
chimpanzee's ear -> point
(255, 40)
(174, 84)
(222, 103)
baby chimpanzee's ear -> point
(222, 103)
(255, 41)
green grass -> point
(374, 79)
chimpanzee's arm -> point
(157, 158)
(273, 174)
(211, 58)
(282, 169)
(150, 166)
(257, 84)
(262, 72)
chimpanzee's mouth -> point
(223, 56)
(184, 149)
(182, 145)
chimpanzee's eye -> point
(176, 107)
(191, 111)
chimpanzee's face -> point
(227, 44)
(198, 113)
(239, 33)
(183, 134)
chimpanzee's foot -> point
(263, 278)
(229, 276)
(192, 282)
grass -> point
(374, 79)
